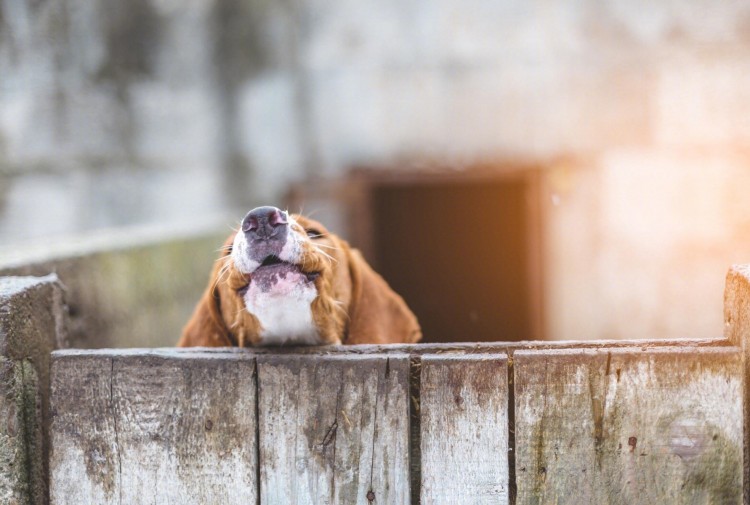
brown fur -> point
(354, 304)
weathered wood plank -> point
(418, 349)
(83, 451)
(334, 429)
(149, 429)
(20, 434)
(464, 423)
(32, 324)
(626, 426)
(737, 331)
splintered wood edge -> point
(417, 349)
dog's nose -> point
(264, 222)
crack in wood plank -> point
(375, 423)
(113, 411)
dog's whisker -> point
(222, 275)
(327, 246)
(223, 258)
(340, 306)
(223, 272)
(218, 280)
(328, 256)
(311, 213)
(301, 210)
(319, 248)
(237, 320)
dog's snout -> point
(264, 234)
(264, 222)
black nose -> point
(264, 223)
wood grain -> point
(645, 425)
(626, 426)
(20, 434)
(737, 331)
(334, 429)
(464, 422)
(153, 429)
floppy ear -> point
(377, 315)
(206, 327)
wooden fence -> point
(639, 422)
(660, 423)
(654, 424)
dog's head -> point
(285, 279)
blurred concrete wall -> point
(118, 112)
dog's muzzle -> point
(266, 230)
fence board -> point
(628, 426)
(464, 423)
(649, 425)
(151, 429)
(334, 429)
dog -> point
(284, 279)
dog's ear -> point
(376, 313)
(206, 328)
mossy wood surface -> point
(125, 295)
(627, 426)
(32, 324)
(624, 425)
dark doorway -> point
(463, 249)
(459, 254)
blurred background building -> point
(566, 170)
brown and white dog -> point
(284, 279)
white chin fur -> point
(285, 317)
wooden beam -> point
(464, 423)
(32, 324)
(607, 425)
(334, 429)
(737, 332)
(624, 426)
(153, 429)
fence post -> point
(737, 331)
(32, 324)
